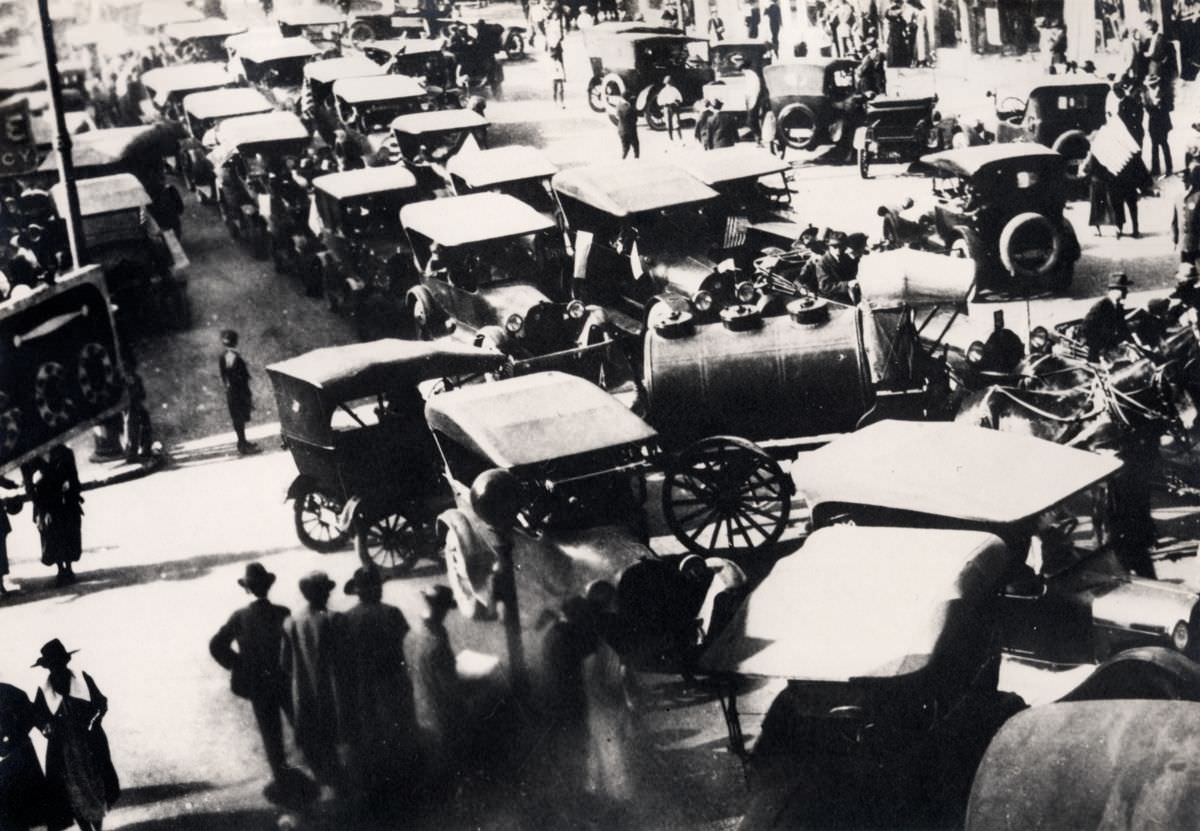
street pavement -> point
(162, 553)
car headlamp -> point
(1180, 637)
(1039, 339)
(703, 301)
(576, 310)
(514, 323)
(746, 292)
(975, 353)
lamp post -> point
(62, 138)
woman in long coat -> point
(58, 511)
(68, 709)
(23, 796)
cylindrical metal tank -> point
(770, 378)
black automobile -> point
(811, 102)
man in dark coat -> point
(625, 114)
(308, 660)
(58, 511)
(774, 17)
(68, 709)
(440, 705)
(235, 377)
(837, 269)
(377, 721)
(255, 673)
(1185, 223)
(870, 77)
(722, 128)
(1104, 326)
(24, 800)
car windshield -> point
(374, 212)
(376, 116)
(1074, 537)
(286, 72)
(494, 261)
(604, 496)
(842, 79)
(671, 55)
(535, 193)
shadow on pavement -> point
(90, 582)
(149, 794)
(230, 821)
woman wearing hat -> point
(68, 709)
(58, 511)
(24, 802)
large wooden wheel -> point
(395, 542)
(316, 520)
(726, 494)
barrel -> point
(764, 378)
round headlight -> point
(1180, 636)
(975, 352)
(1039, 338)
(703, 301)
(576, 310)
(514, 323)
(745, 292)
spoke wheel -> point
(725, 493)
(864, 163)
(596, 99)
(394, 543)
(316, 519)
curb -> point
(147, 466)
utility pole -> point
(62, 138)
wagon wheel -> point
(316, 520)
(726, 492)
(395, 543)
(596, 98)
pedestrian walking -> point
(752, 20)
(558, 78)
(716, 25)
(308, 660)
(377, 723)
(1185, 221)
(625, 115)
(57, 498)
(1159, 103)
(895, 22)
(255, 673)
(441, 707)
(235, 377)
(774, 16)
(69, 710)
(24, 800)
(669, 100)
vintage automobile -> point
(366, 107)
(811, 102)
(423, 58)
(204, 110)
(352, 418)
(737, 68)
(317, 105)
(152, 17)
(200, 40)
(325, 26)
(634, 63)
(1061, 112)
(1000, 205)
(658, 211)
(275, 66)
(167, 86)
(1073, 603)
(475, 47)
(492, 268)
(518, 170)
(421, 140)
(898, 128)
(365, 254)
(819, 370)
(144, 266)
(249, 156)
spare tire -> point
(1030, 246)
(799, 127)
(1074, 145)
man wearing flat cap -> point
(255, 674)
(1104, 326)
(308, 661)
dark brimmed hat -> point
(229, 337)
(316, 584)
(54, 654)
(364, 577)
(256, 578)
(1119, 280)
(438, 598)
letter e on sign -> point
(18, 155)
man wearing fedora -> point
(255, 672)
(441, 708)
(235, 377)
(68, 708)
(308, 661)
(1104, 326)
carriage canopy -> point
(729, 164)
(514, 163)
(364, 181)
(261, 49)
(334, 69)
(535, 418)
(104, 194)
(899, 592)
(309, 16)
(210, 27)
(476, 217)
(226, 103)
(622, 189)
(949, 470)
(438, 121)
(987, 159)
(385, 88)
(264, 128)
(166, 81)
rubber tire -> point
(1004, 244)
(425, 325)
(1074, 145)
(359, 31)
(655, 118)
(791, 112)
(596, 95)
(469, 604)
(516, 46)
(864, 163)
(320, 546)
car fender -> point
(1145, 672)
(301, 485)
(468, 565)
(860, 138)
(975, 245)
(643, 97)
